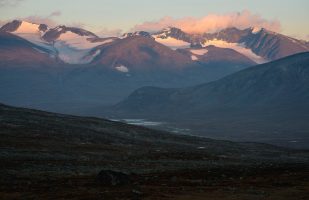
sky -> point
(106, 17)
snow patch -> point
(199, 52)
(240, 48)
(59, 29)
(26, 27)
(90, 57)
(39, 50)
(73, 48)
(167, 30)
(256, 30)
(69, 54)
(96, 53)
(139, 33)
(80, 42)
(162, 35)
(193, 57)
(172, 42)
(122, 68)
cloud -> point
(5, 3)
(43, 19)
(211, 23)
(48, 20)
(40, 20)
(109, 32)
(77, 25)
(55, 14)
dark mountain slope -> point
(17, 51)
(265, 102)
(281, 82)
(268, 44)
(272, 45)
(215, 56)
(142, 53)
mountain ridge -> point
(266, 44)
(297, 63)
(266, 103)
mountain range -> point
(258, 44)
(78, 46)
(69, 69)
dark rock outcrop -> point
(112, 178)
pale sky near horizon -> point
(110, 15)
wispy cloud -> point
(109, 32)
(49, 19)
(77, 25)
(212, 23)
(55, 14)
(5, 3)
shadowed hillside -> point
(46, 155)
(268, 103)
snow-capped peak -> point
(31, 32)
(138, 33)
(59, 28)
(256, 30)
(172, 37)
(72, 45)
(24, 27)
(27, 27)
(167, 29)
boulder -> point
(113, 178)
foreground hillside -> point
(48, 156)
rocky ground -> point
(53, 156)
